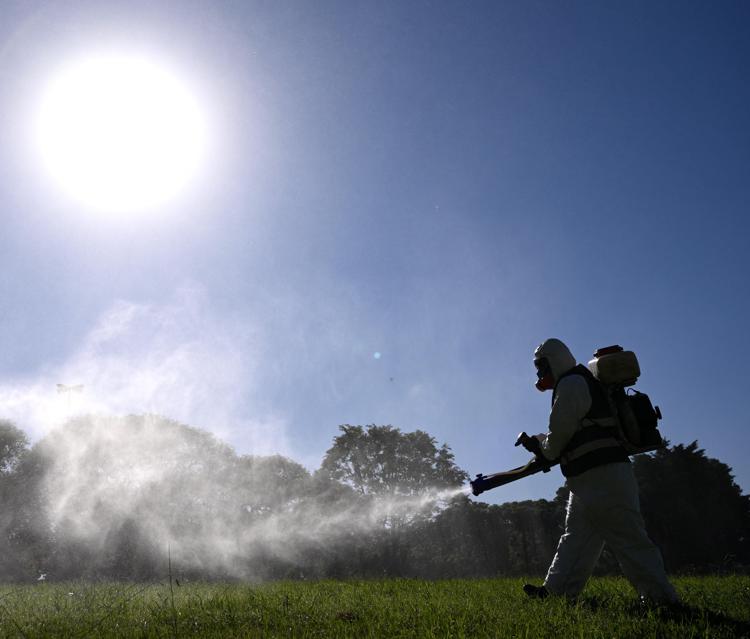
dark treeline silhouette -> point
(116, 497)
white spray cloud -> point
(150, 484)
(155, 483)
(177, 359)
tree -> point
(23, 540)
(391, 470)
(382, 460)
(693, 508)
(13, 444)
(114, 497)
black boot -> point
(535, 592)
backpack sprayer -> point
(636, 418)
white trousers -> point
(604, 508)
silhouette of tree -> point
(386, 464)
(105, 497)
(24, 539)
(693, 508)
(13, 445)
(382, 460)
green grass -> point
(715, 607)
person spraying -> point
(603, 506)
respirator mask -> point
(545, 380)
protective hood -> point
(558, 356)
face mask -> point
(545, 380)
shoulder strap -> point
(600, 407)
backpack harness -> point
(597, 443)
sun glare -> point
(119, 133)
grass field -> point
(714, 607)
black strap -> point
(591, 433)
(611, 451)
(609, 455)
(600, 407)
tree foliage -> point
(110, 497)
(13, 445)
(693, 508)
(383, 460)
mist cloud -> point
(120, 494)
(135, 465)
(177, 359)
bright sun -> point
(119, 133)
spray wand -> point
(539, 463)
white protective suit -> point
(603, 505)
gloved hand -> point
(531, 443)
(534, 446)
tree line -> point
(126, 497)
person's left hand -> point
(533, 443)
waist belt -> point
(591, 446)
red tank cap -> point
(608, 350)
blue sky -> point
(443, 183)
